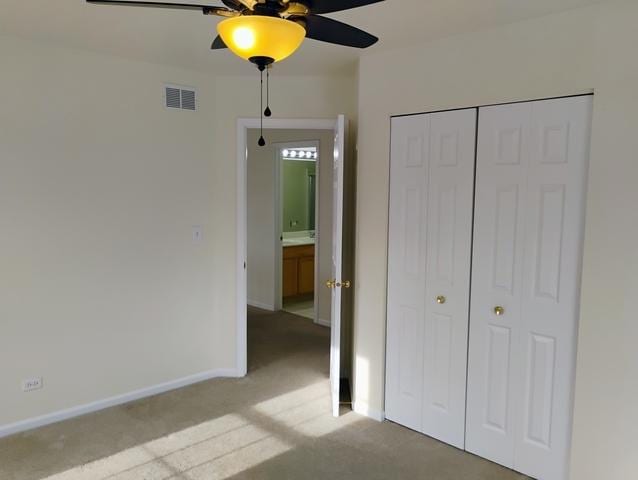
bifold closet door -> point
(431, 198)
(529, 218)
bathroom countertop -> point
(297, 242)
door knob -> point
(335, 284)
(499, 311)
(441, 299)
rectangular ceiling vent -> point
(180, 98)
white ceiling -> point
(183, 38)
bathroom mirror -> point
(299, 185)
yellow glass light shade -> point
(250, 36)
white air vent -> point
(181, 98)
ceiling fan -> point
(268, 31)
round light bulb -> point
(244, 38)
(286, 153)
(293, 154)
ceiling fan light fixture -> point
(261, 37)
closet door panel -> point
(559, 152)
(502, 162)
(449, 237)
(406, 269)
(529, 218)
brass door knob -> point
(499, 311)
(335, 284)
(441, 299)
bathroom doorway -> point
(257, 208)
(290, 222)
(299, 231)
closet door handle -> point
(499, 311)
(441, 299)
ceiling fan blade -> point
(174, 6)
(218, 44)
(331, 31)
(329, 6)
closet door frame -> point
(478, 107)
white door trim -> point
(243, 125)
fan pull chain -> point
(261, 142)
(268, 112)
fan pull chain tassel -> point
(262, 142)
(268, 112)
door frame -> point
(243, 125)
(578, 273)
(586, 93)
(279, 201)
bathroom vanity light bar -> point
(300, 154)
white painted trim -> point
(243, 124)
(279, 253)
(318, 232)
(242, 251)
(262, 306)
(31, 423)
(364, 409)
(287, 124)
(323, 323)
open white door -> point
(337, 282)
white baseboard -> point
(323, 323)
(263, 306)
(31, 423)
(364, 409)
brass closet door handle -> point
(441, 299)
(499, 311)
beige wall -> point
(261, 213)
(575, 52)
(102, 290)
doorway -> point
(289, 222)
(338, 279)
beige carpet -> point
(274, 424)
